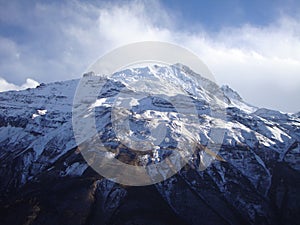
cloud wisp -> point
(60, 40)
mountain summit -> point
(241, 162)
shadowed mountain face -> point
(254, 179)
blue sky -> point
(254, 46)
(215, 14)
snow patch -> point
(42, 112)
(76, 169)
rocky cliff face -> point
(44, 179)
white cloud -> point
(261, 62)
(6, 86)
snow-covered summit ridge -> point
(186, 80)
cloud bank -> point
(6, 86)
(59, 41)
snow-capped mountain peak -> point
(252, 150)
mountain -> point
(243, 167)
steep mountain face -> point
(253, 179)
